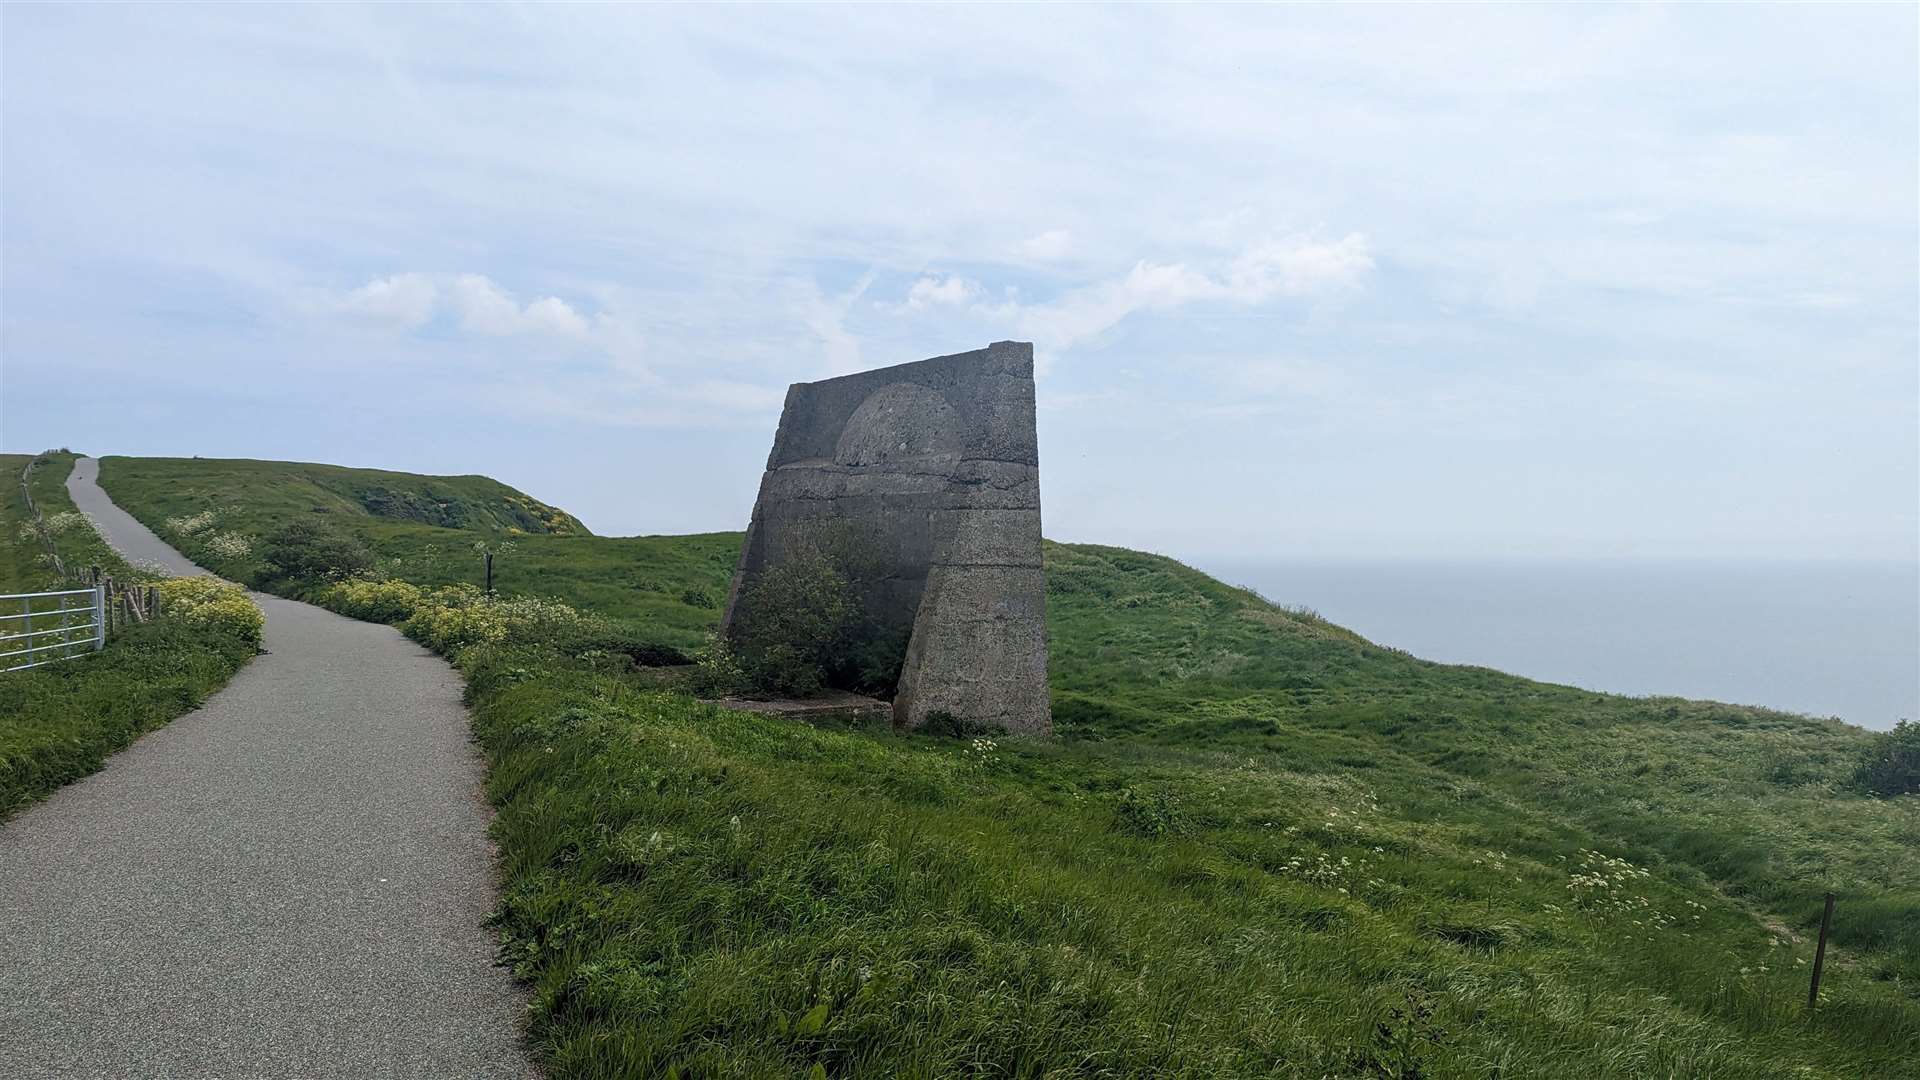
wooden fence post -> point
(1820, 954)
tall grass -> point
(724, 894)
(1260, 846)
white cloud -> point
(486, 308)
(1259, 275)
(936, 291)
(1560, 190)
(552, 315)
(483, 307)
(1047, 246)
(404, 300)
(409, 301)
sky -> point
(1356, 282)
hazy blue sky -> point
(1427, 282)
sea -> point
(1821, 638)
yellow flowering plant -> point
(210, 601)
(390, 601)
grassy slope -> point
(59, 723)
(23, 563)
(20, 566)
(646, 582)
(1262, 846)
(282, 489)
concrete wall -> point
(936, 466)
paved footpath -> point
(289, 882)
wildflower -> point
(229, 545)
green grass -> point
(669, 587)
(1260, 846)
(79, 546)
(180, 486)
(21, 566)
(24, 566)
(58, 723)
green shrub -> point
(871, 660)
(698, 597)
(793, 620)
(801, 624)
(456, 617)
(1150, 812)
(210, 602)
(943, 723)
(717, 671)
(304, 550)
(1890, 765)
(453, 617)
(390, 601)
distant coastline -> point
(1823, 638)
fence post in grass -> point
(99, 612)
(489, 573)
(1820, 953)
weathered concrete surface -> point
(935, 466)
(836, 704)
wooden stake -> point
(1820, 953)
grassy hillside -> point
(186, 486)
(21, 568)
(670, 587)
(1261, 846)
(24, 566)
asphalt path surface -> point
(290, 881)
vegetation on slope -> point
(24, 565)
(21, 566)
(1262, 846)
(286, 490)
(665, 589)
(58, 723)
(1756, 802)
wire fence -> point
(37, 522)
